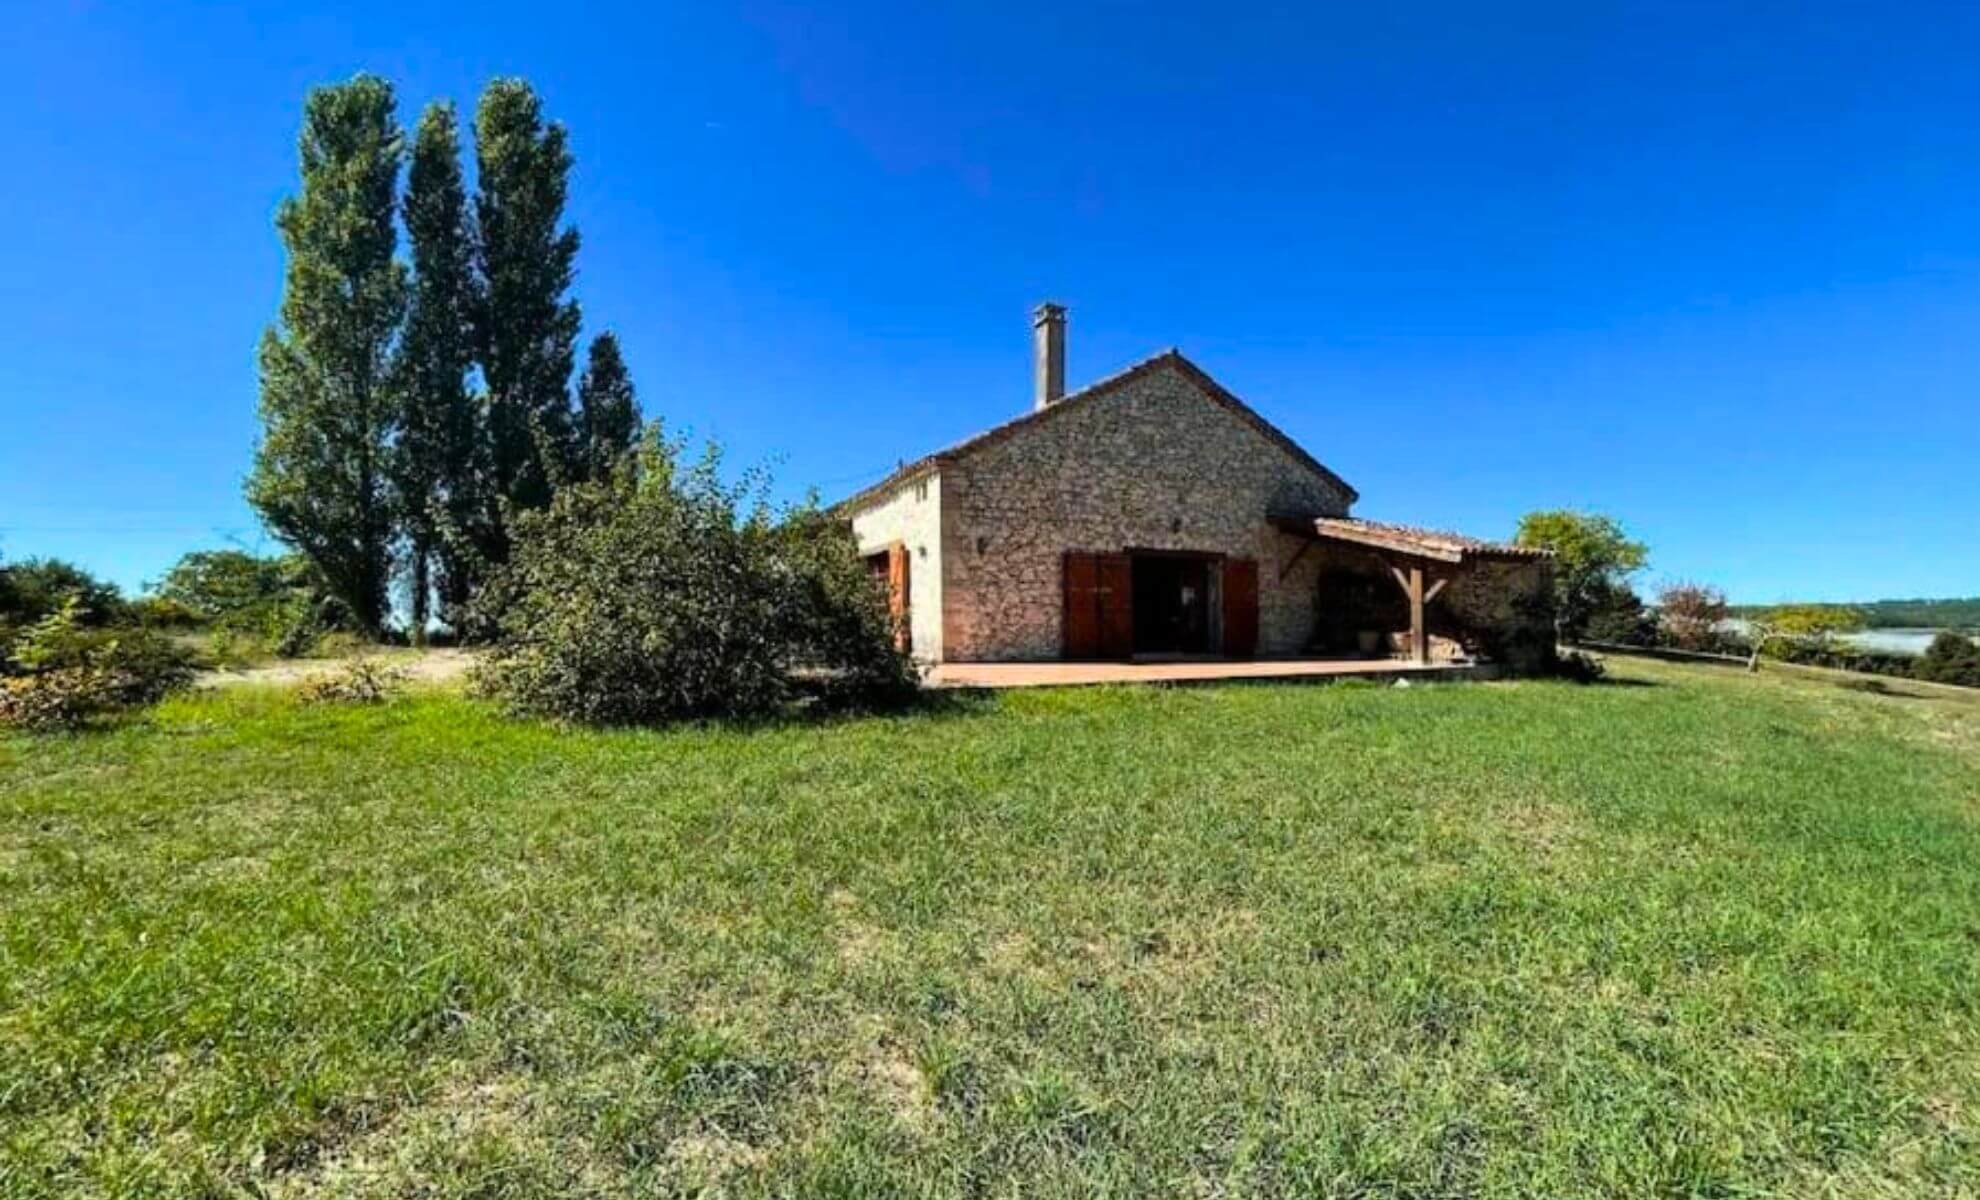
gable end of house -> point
(1170, 359)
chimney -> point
(1048, 354)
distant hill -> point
(1908, 614)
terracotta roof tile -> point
(1409, 539)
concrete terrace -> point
(1076, 674)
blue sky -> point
(1714, 269)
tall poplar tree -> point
(526, 325)
(608, 411)
(438, 460)
(320, 473)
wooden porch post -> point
(1412, 582)
(1419, 636)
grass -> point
(1688, 933)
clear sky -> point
(1711, 268)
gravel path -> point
(420, 666)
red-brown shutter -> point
(897, 594)
(1116, 606)
(1082, 621)
(1240, 607)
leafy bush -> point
(658, 594)
(223, 583)
(159, 612)
(35, 587)
(1951, 658)
(1691, 615)
(273, 605)
(1593, 560)
(68, 698)
(357, 681)
(1802, 633)
(1614, 613)
(62, 673)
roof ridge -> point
(1169, 354)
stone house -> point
(1154, 514)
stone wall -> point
(912, 515)
(1502, 611)
(1153, 463)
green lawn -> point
(1687, 933)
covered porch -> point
(1421, 562)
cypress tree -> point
(438, 459)
(608, 411)
(320, 473)
(526, 326)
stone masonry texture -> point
(1152, 464)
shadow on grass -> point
(1877, 687)
(820, 712)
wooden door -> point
(1116, 597)
(1240, 607)
(1082, 617)
(1099, 616)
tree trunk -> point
(422, 557)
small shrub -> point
(339, 643)
(231, 650)
(1691, 615)
(65, 698)
(356, 681)
(62, 674)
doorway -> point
(1172, 603)
(1159, 604)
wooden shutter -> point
(1240, 607)
(1082, 620)
(1116, 606)
(897, 595)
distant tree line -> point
(1954, 613)
(247, 605)
(1595, 602)
(413, 406)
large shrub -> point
(1951, 658)
(61, 673)
(658, 593)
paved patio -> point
(1075, 674)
